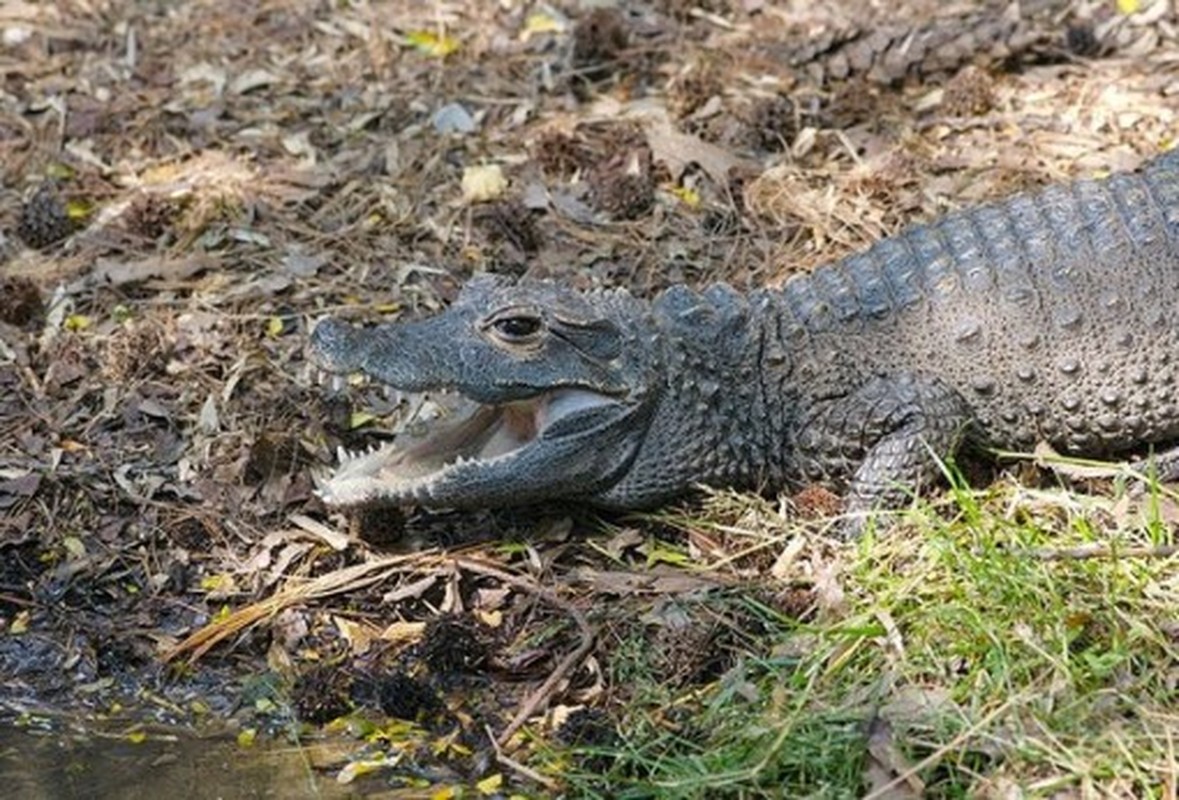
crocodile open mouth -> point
(414, 462)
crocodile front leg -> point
(882, 441)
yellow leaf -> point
(387, 308)
(246, 737)
(445, 793)
(483, 183)
(664, 555)
(359, 419)
(689, 197)
(490, 784)
(358, 635)
(59, 171)
(274, 327)
(78, 210)
(432, 44)
(77, 322)
(361, 728)
(20, 623)
(403, 632)
(492, 619)
(74, 546)
(217, 583)
(137, 737)
(1129, 6)
(541, 22)
(358, 768)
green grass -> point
(978, 649)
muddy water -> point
(65, 766)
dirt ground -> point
(186, 187)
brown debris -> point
(44, 220)
(20, 302)
(454, 645)
(970, 93)
(151, 216)
(624, 186)
(773, 123)
(561, 154)
(599, 41)
(511, 223)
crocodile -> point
(1046, 317)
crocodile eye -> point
(516, 328)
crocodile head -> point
(559, 384)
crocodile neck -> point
(726, 405)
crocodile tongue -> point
(473, 432)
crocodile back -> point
(1053, 313)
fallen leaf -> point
(829, 594)
(252, 79)
(205, 72)
(330, 536)
(358, 769)
(119, 273)
(886, 764)
(454, 118)
(491, 784)
(672, 147)
(432, 44)
(403, 632)
(20, 623)
(358, 635)
(209, 422)
(483, 183)
(783, 564)
(539, 22)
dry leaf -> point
(483, 183)
(119, 273)
(329, 536)
(407, 632)
(885, 764)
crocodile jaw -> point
(485, 440)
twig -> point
(1087, 551)
(516, 766)
(16, 601)
(540, 697)
(342, 580)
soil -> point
(187, 187)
